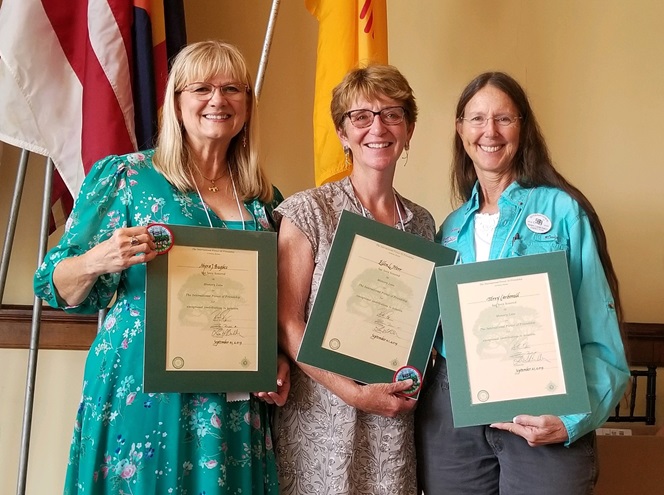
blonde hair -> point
(199, 62)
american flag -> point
(68, 80)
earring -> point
(244, 136)
(404, 156)
(347, 157)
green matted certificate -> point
(211, 315)
(376, 310)
(511, 339)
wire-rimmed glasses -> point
(205, 91)
(481, 120)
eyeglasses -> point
(205, 91)
(363, 118)
(481, 120)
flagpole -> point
(13, 220)
(266, 47)
(34, 338)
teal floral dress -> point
(126, 441)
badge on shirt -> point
(538, 223)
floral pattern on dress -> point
(127, 441)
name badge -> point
(538, 223)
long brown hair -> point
(532, 165)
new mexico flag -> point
(351, 33)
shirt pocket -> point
(538, 244)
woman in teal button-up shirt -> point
(515, 204)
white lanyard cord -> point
(396, 207)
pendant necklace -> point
(205, 206)
(213, 188)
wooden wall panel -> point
(58, 330)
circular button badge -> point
(538, 223)
(409, 372)
(163, 237)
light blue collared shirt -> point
(567, 229)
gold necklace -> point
(213, 188)
(205, 206)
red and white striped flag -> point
(65, 81)
(66, 78)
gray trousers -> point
(479, 460)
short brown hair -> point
(371, 82)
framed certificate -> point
(211, 316)
(511, 340)
(376, 311)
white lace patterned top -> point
(485, 226)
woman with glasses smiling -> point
(515, 203)
(335, 435)
(204, 172)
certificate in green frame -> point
(511, 339)
(376, 310)
(211, 315)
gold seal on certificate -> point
(376, 310)
(204, 330)
(511, 340)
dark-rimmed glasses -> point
(363, 118)
(205, 91)
(481, 120)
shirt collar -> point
(514, 194)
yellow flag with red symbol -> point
(351, 33)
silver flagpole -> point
(13, 220)
(34, 339)
(266, 47)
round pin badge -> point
(406, 372)
(538, 223)
(163, 237)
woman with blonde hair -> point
(204, 172)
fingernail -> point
(280, 382)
